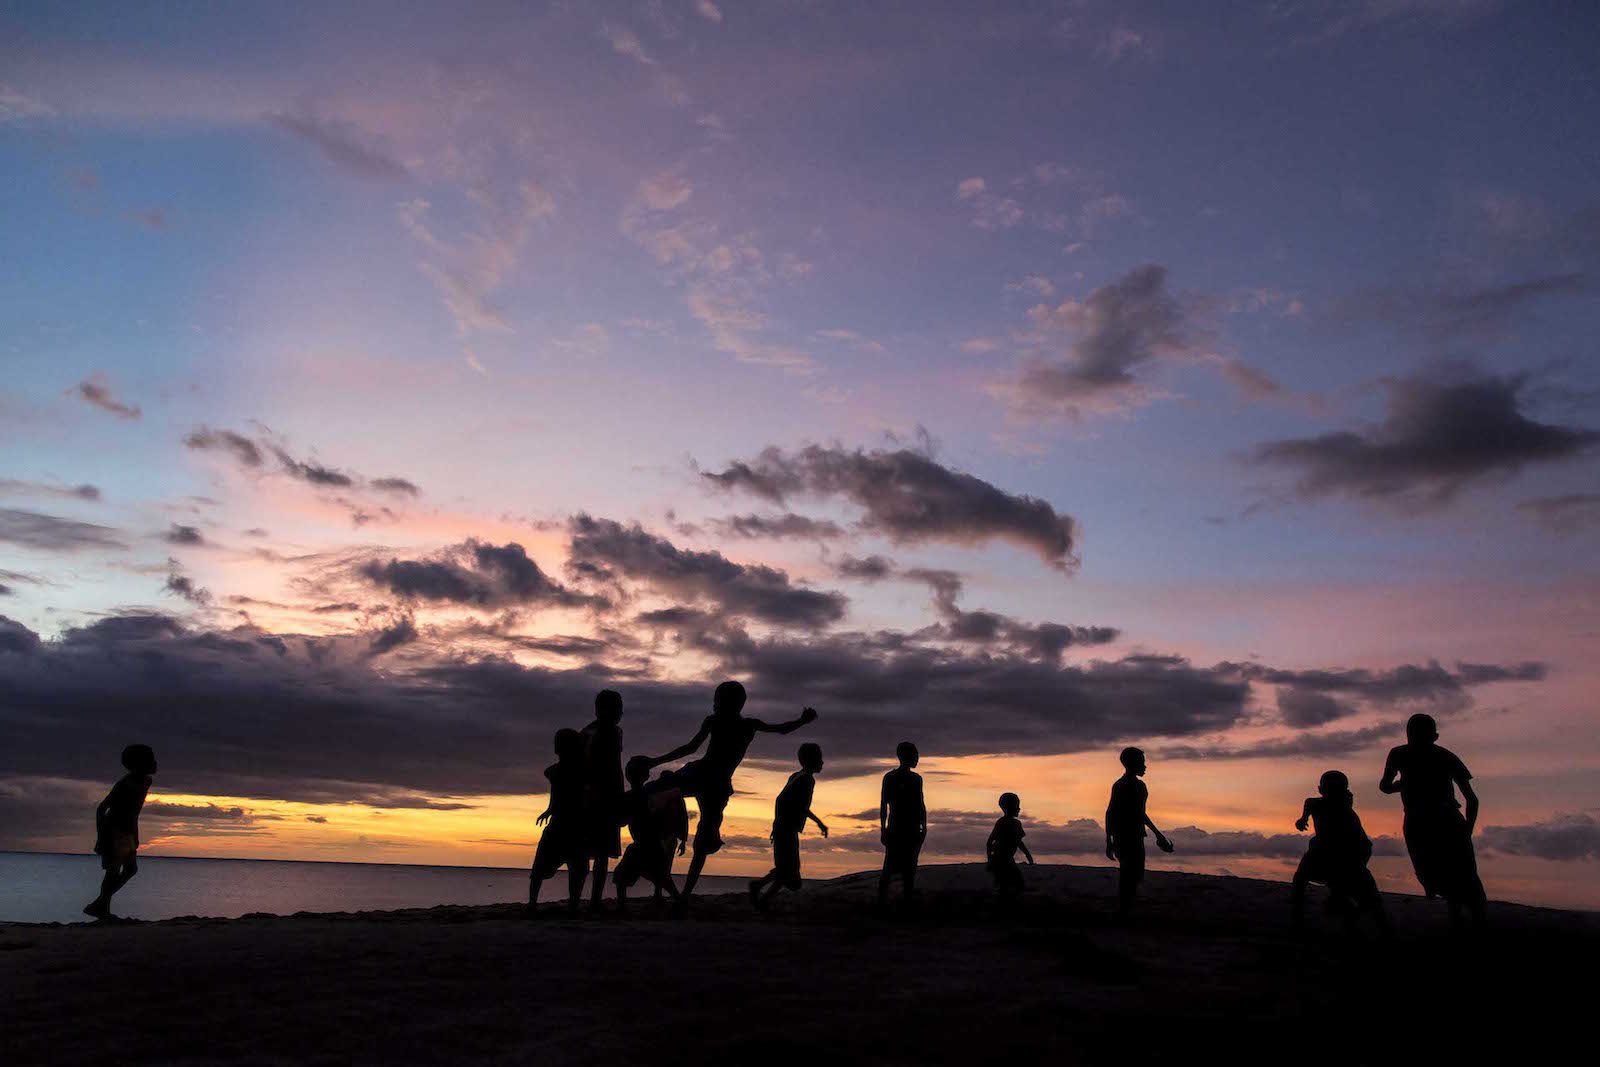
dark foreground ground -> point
(1210, 971)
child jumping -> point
(658, 823)
(902, 824)
(116, 826)
(1338, 853)
(789, 815)
(563, 841)
(1004, 841)
(1125, 824)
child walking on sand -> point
(1125, 825)
(789, 815)
(563, 841)
(658, 823)
(1004, 841)
(902, 823)
(116, 826)
(1338, 853)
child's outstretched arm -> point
(685, 749)
(807, 715)
(1305, 815)
(820, 824)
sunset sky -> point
(1025, 380)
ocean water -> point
(41, 888)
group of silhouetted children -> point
(592, 795)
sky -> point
(1024, 380)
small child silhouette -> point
(1338, 853)
(1125, 824)
(658, 823)
(1001, 848)
(789, 815)
(563, 841)
(116, 826)
(902, 823)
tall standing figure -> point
(1438, 836)
(710, 779)
(1126, 820)
(603, 788)
(902, 823)
(116, 826)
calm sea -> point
(40, 888)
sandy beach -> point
(1211, 965)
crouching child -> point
(658, 823)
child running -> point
(116, 826)
(789, 815)
(1438, 836)
(1004, 841)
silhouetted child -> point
(789, 815)
(658, 823)
(116, 826)
(902, 823)
(563, 842)
(1438, 836)
(1338, 853)
(602, 788)
(1125, 824)
(709, 779)
(1004, 841)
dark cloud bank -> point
(907, 497)
(1437, 437)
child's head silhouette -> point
(1421, 729)
(1010, 803)
(608, 706)
(1335, 786)
(569, 746)
(1133, 759)
(811, 756)
(140, 759)
(906, 753)
(728, 699)
(637, 771)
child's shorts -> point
(786, 858)
(640, 861)
(558, 846)
(120, 849)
